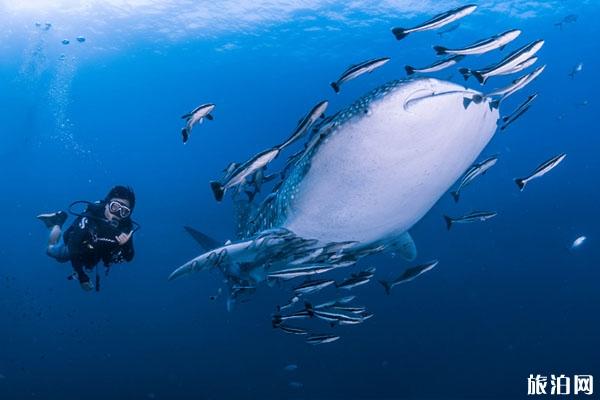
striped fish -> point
(476, 170)
(483, 46)
(436, 66)
(540, 171)
(357, 70)
(436, 22)
(507, 64)
(475, 216)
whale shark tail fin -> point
(386, 286)
(399, 33)
(455, 195)
(217, 189)
(335, 86)
(409, 70)
(440, 50)
(521, 183)
(449, 222)
(465, 72)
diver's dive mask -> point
(119, 209)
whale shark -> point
(363, 179)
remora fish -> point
(476, 170)
(239, 176)
(509, 119)
(471, 217)
(515, 86)
(305, 123)
(436, 22)
(292, 330)
(483, 46)
(291, 273)
(576, 69)
(436, 66)
(278, 319)
(194, 117)
(408, 275)
(321, 339)
(506, 91)
(357, 70)
(541, 170)
(507, 64)
(352, 282)
(333, 316)
(466, 72)
(312, 286)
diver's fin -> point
(205, 241)
(399, 33)
(405, 246)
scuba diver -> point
(102, 232)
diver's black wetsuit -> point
(92, 238)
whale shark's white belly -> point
(381, 171)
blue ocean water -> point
(509, 298)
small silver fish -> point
(436, 22)
(436, 66)
(408, 275)
(476, 170)
(321, 339)
(509, 119)
(194, 117)
(312, 286)
(475, 216)
(508, 63)
(305, 123)
(357, 70)
(244, 171)
(540, 171)
(483, 46)
(291, 273)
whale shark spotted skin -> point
(381, 164)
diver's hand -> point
(123, 238)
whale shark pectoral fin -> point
(205, 241)
(405, 246)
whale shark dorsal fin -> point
(205, 241)
(405, 246)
